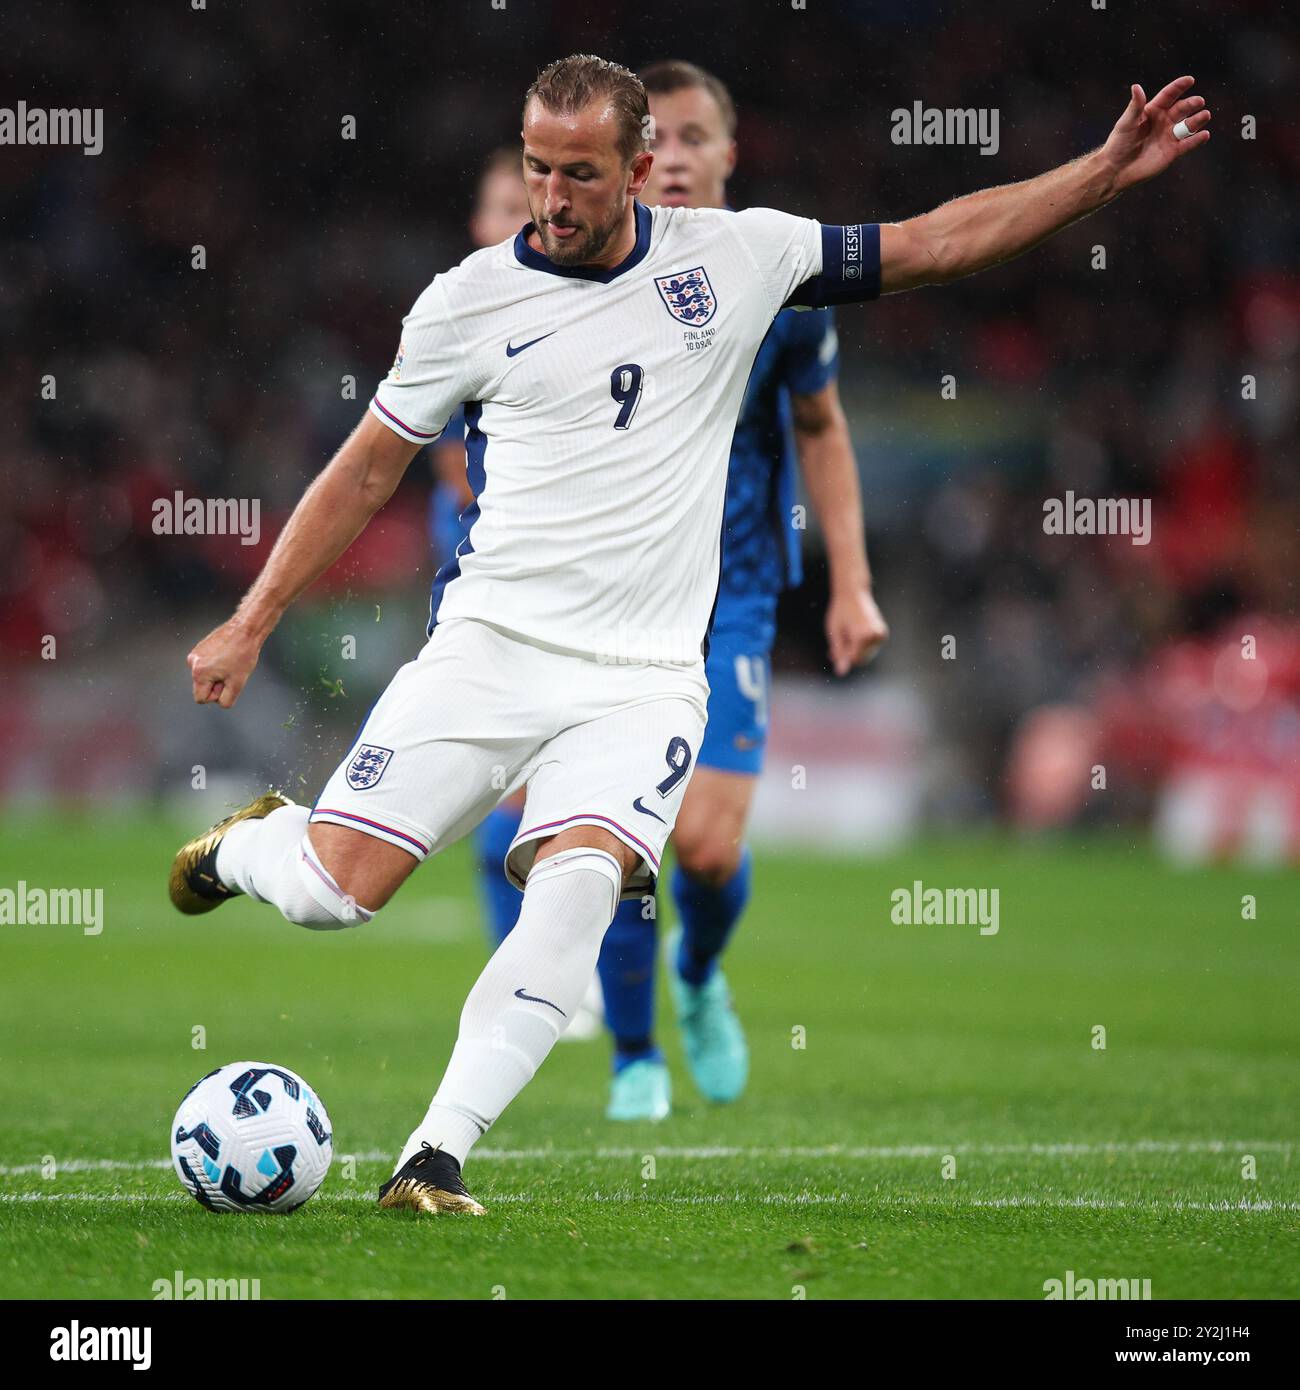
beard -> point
(584, 245)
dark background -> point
(222, 128)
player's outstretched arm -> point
(855, 627)
(333, 512)
(985, 228)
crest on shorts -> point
(367, 766)
(395, 371)
(688, 295)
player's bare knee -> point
(591, 837)
(709, 858)
(364, 870)
(352, 873)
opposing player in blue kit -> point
(602, 355)
(792, 383)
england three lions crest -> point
(367, 766)
(688, 295)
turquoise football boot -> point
(641, 1091)
(714, 1041)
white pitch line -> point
(892, 1151)
(819, 1152)
(794, 1199)
(1108, 1203)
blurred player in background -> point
(793, 382)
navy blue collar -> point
(535, 260)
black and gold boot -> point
(194, 886)
(428, 1181)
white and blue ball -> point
(251, 1136)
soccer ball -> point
(251, 1137)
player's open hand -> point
(221, 664)
(1150, 135)
(855, 629)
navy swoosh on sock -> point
(534, 999)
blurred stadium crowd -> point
(223, 128)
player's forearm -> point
(330, 516)
(830, 474)
(325, 522)
(997, 224)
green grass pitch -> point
(826, 1181)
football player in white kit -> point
(603, 354)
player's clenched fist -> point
(855, 630)
(221, 664)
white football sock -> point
(273, 861)
(525, 997)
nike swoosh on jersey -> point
(534, 999)
(515, 351)
(646, 811)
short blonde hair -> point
(676, 75)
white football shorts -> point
(481, 712)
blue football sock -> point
(501, 899)
(708, 916)
(627, 980)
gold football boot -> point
(428, 1181)
(194, 886)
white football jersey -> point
(600, 407)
